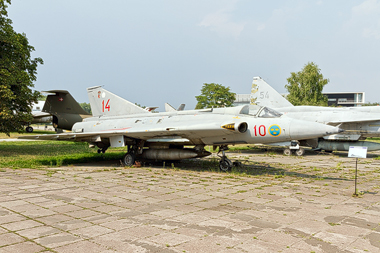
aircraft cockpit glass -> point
(266, 112)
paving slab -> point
(279, 204)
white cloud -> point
(221, 22)
(366, 19)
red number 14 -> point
(106, 106)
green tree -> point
(17, 73)
(86, 107)
(215, 95)
(305, 87)
(371, 104)
(42, 97)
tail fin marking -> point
(264, 95)
(105, 103)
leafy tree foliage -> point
(86, 107)
(371, 104)
(305, 87)
(215, 95)
(17, 73)
(42, 97)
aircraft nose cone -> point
(305, 129)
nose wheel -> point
(225, 164)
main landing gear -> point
(225, 164)
(294, 148)
(29, 129)
(129, 158)
(297, 152)
(102, 150)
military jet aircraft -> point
(60, 108)
(117, 122)
(38, 116)
(358, 122)
(64, 109)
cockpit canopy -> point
(263, 112)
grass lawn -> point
(36, 154)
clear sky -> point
(156, 51)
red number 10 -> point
(261, 130)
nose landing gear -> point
(225, 164)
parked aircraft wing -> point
(37, 115)
(100, 101)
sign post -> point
(357, 152)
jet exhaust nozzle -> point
(241, 127)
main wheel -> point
(287, 151)
(129, 159)
(225, 164)
(300, 152)
(29, 129)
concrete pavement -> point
(287, 204)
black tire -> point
(287, 151)
(225, 165)
(300, 152)
(29, 129)
(129, 159)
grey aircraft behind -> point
(61, 109)
(65, 110)
(358, 123)
(178, 135)
(38, 117)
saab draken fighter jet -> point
(117, 122)
(358, 123)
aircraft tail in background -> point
(169, 108)
(65, 110)
(105, 103)
(264, 95)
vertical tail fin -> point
(61, 101)
(66, 111)
(264, 95)
(105, 103)
(169, 108)
(181, 107)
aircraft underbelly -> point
(365, 129)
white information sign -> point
(357, 152)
